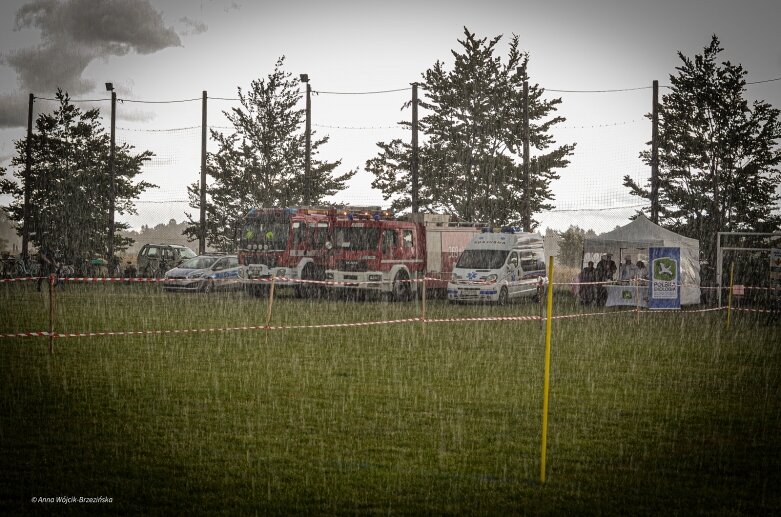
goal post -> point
(720, 249)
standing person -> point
(642, 271)
(602, 274)
(588, 290)
(611, 267)
(45, 266)
(627, 270)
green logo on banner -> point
(626, 295)
(665, 269)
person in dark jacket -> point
(588, 291)
(46, 266)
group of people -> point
(593, 279)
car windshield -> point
(482, 259)
(199, 263)
(357, 238)
(187, 253)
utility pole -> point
(202, 233)
(414, 164)
(526, 215)
(655, 155)
(308, 158)
(27, 186)
(112, 191)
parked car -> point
(155, 259)
(205, 273)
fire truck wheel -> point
(402, 288)
(502, 297)
(306, 289)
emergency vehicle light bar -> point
(504, 229)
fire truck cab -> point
(390, 257)
(286, 243)
(376, 255)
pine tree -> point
(471, 158)
(261, 162)
(70, 181)
(571, 246)
(718, 155)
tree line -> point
(718, 158)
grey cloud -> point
(197, 27)
(73, 34)
(135, 115)
(46, 68)
(13, 110)
(113, 27)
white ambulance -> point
(499, 266)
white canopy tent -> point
(635, 238)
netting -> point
(589, 193)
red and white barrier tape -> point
(27, 334)
(21, 279)
(58, 335)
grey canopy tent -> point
(640, 234)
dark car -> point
(205, 273)
(156, 259)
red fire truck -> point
(288, 243)
(390, 257)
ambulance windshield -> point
(482, 259)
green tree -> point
(718, 154)
(261, 162)
(571, 246)
(471, 158)
(69, 183)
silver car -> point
(205, 273)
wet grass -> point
(662, 414)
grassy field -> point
(667, 414)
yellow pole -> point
(729, 299)
(546, 386)
(51, 313)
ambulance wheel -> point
(503, 297)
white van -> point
(496, 267)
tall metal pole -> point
(655, 155)
(112, 191)
(414, 164)
(27, 186)
(308, 167)
(202, 232)
(526, 183)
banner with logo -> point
(665, 278)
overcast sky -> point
(170, 50)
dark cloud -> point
(73, 34)
(13, 109)
(48, 67)
(110, 27)
(196, 27)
